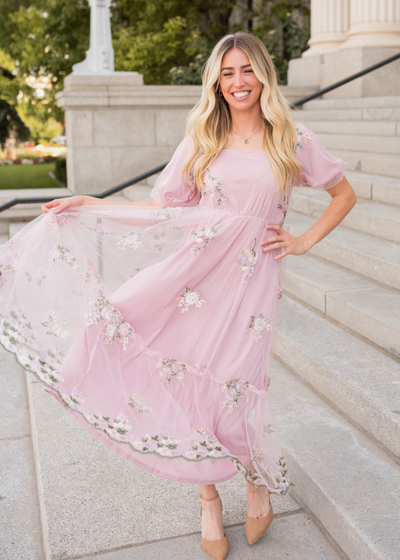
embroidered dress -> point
(153, 325)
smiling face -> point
(240, 86)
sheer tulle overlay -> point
(154, 325)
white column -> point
(329, 23)
(100, 56)
(373, 23)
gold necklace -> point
(246, 140)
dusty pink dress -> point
(154, 325)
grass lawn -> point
(27, 176)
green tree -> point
(10, 120)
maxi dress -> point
(153, 326)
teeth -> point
(241, 94)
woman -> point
(152, 322)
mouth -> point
(241, 94)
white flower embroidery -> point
(135, 401)
(215, 190)
(170, 368)
(303, 137)
(189, 298)
(117, 327)
(202, 239)
(131, 240)
(233, 390)
(168, 212)
(257, 325)
(280, 292)
(54, 323)
(248, 260)
(258, 454)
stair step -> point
(383, 101)
(384, 145)
(365, 308)
(370, 217)
(387, 165)
(375, 187)
(361, 381)
(308, 117)
(374, 258)
(356, 127)
(350, 484)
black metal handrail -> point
(159, 168)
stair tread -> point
(349, 483)
(371, 207)
(381, 250)
(356, 363)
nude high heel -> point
(217, 550)
(255, 528)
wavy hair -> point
(209, 122)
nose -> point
(239, 79)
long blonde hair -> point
(209, 121)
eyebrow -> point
(231, 67)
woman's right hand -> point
(61, 204)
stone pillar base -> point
(326, 69)
(118, 128)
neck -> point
(246, 122)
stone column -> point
(373, 23)
(329, 23)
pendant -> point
(246, 141)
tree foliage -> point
(168, 41)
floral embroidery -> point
(131, 240)
(215, 190)
(257, 325)
(189, 298)
(117, 327)
(303, 137)
(258, 454)
(168, 212)
(234, 389)
(137, 402)
(54, 325)
(267, 429)
(162, 239)
(248, 260)
(280, 292)
(13, 258)
(59, 252)
(202, 239)
(284, 208)
(170, 368)
(16, 335)
(267, 381)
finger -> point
(272, 239)
(274, 246)
(279, 230)
(284, 254)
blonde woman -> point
(152, 322)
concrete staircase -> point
(335, 390)
(339, 337)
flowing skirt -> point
(153, 327)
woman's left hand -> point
(292, 245)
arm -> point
(343, 200)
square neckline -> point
(229, 150)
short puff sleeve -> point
(169, 188)
(320, 168)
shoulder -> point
(303, 134)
